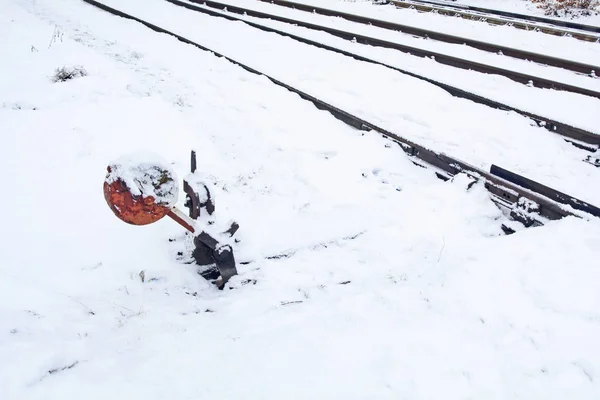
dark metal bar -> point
(439, 57)
(547, 123)
(192, 201)
(545, 190)
(497, 186)
(425, 33)
(193, 161)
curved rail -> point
(443, 37)
(568, 131)
(553, 126)
(441, 58)
(503, 192)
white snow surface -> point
(397, 285)
(142, 173)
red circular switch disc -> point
(140, 190)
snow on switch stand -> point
(141, 189)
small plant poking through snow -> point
(67, 73)
(57, 36)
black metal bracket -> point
(594, 160)
(217, 258)
(192, 201)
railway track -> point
(579, 137)
(548, 26)
(531, 205)
(441, 58)
(442, 37)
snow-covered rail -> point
(497, 17)
(436, 35)
(579, 135)
(525, 204)
(450, 60)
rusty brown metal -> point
(135, 210)
(139, 210)
(181, 219)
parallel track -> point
(443, 37)
(441, 58)
(568, 131)
(497, 17)
(504, 192)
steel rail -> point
(503, 192)
(570, 65)
(441, 58)
(544, 190)
(579, 135)
(443, 9)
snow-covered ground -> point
(399, 286)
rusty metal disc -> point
(140, 193)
